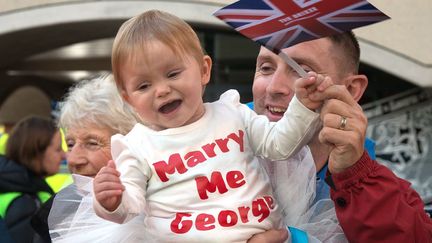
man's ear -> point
(206, 70)
(356, 85)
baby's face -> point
(165, 89)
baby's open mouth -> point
(167, 108)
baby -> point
(192, 167)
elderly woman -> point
(90, 114)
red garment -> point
(374, 205)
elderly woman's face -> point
(88, 150)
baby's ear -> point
(125, 96)
(206, 70)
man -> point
(372, 204)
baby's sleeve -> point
(134, 174)
(274, 140)
(282, 139)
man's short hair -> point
(350, 46)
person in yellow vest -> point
(16, 107)
(33, 152)
(63, 178)
(3, 140)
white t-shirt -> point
(203, 182)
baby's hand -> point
(107, 187)
(309, 90)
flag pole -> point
(293, 64)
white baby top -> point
(203, 182)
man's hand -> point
(107, 187)
(270, 236)
(344, 128)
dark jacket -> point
(16, 178)
(39, 221)
(4, 233)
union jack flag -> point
(278, 24)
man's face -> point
(273, 86)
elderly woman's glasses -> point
(90, 144)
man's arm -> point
(374, 205)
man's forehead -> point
(309, 48)
(264, 53)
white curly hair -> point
(97, 103)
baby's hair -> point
(135, 35)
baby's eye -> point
(143, 86)
(174, 74)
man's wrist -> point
(360, 169)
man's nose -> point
(280, 83)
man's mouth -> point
(169, 107)
(276, 110)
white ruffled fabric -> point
(72, 218)
(298, 174)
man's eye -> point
(306, 68)
(265, 69)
